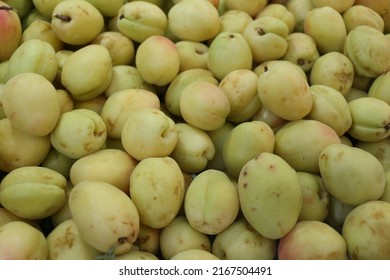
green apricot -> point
(300, 143)
(157, 190)
(105, 216)
(20, 149)
(351, 175)
(379, 87)
(65, 243)
(244, 142)
(240, 241)
(78, 133)
(139, 20)
(180, 82)
(328, 37)
(315, 204)
(36, 56)
(301, 50)
(366, 231)
(232, 45)
(179, 236)
(266, 36)
(331, 108)
(194, 148)
(370, 119)
(94, 61)
(270, 195)
(284, 90)
(380, 149)
(335, 70)
(33, 192)
(369, 50)
(211, 202)
(21, 241)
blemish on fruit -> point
(260, 31)
(122, 240)
(63, 17)
(7, 8)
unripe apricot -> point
(204, 105)
(270, 195)
(312, 240)
(245, 141)
(43, 188)
(157, 190)
(362, 15)
(139, 20)
(157, 60)
(316, 199)
(122, 104)
(234, 21)
(65, 243)
(20, 149)
(126, 77)
(114, 227)
(313, 136)
(79, 133)
(120, 47)
(194, 148)
(180, 82)
(347, 171)
(369, 51)
(281, 12)
(76, 22)
(284, 90)
(331, 108)
(366, 231)
(149, 132)
(194, 20)
(266, 37)
(211, 202)
(30, 102)
(340, 6)
(301, 50)
(34, 56)
(94, 61)
(179, 236)
(335, 70)
(232, 45)
(240, 86)
(328, 37)
(21, 241)
(240, 241)
(251, 7)
(109, 165)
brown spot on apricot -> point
(260, 31)
(378, 215)
(122, 240)
(300, 61)
(63, 18)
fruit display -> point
(194, 130)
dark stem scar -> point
(63, 17)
